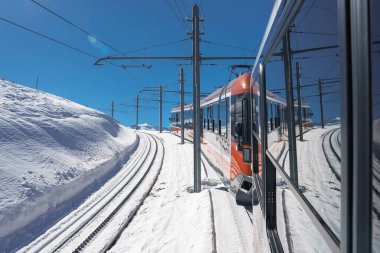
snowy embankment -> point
(52, 150)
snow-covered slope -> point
(149, 127)
(51, 149)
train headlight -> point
(247, 155)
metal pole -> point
(300, 123)
(37, 83)
(112, 108)
(181, 79)
(290, 110)
(321, 101)
(160, 109)
(137, 111)
(196, 100)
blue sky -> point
(125, 25)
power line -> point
(76, 26)
(175, 13)
(87, 33)
(226, 45)
(156, 45)
(49, 38)
(201, 5)
(65, 45)
(180, 12)
(184, 7)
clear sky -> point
(126, 26)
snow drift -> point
(51, 150)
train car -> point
(226, 131)
(318, 191)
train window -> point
(255, 114)
(315, 75)
(277, 139)
(223, 117)
(215, 118)
(228, 115)
(208, 117)
(375, 61)
(245, 122)
(296, 231)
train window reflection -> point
(316, 83)
(375, 61)
(277, 128)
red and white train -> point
(230, 117)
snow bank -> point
(51, 150)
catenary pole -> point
(137, 111)
(300, 121)
(196, 100)
(181, 79)
(112, 108)
(160, 109)
(321, 101)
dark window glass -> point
(375, 61)
(246, 130)
(236, 116)
(316, 78)
(215, 117)
(223, 117)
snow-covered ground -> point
(171, 218)
(53, 153)
(177, 220)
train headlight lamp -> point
(247, 155)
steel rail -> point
(116, 236)
(89, 207)
(84, 223)
(120, 205)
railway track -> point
(332, 157)
(80, 231)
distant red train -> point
(229, 115)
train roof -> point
(226, 89)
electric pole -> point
(195, 58)
(321, 101)
(160, 109)
(300, 123)
(181, 79)
(137, 112)
(196, 100)
(37, 83)
(112, 108)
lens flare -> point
(98, 45)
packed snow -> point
(53, 152)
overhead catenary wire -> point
(156, 45)
(49, 38)
(226, 45)
(64, 44)
(201, 5)
(88, 34)
(179, 10)
(176, 15)
(76, 26)
(184, 7)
